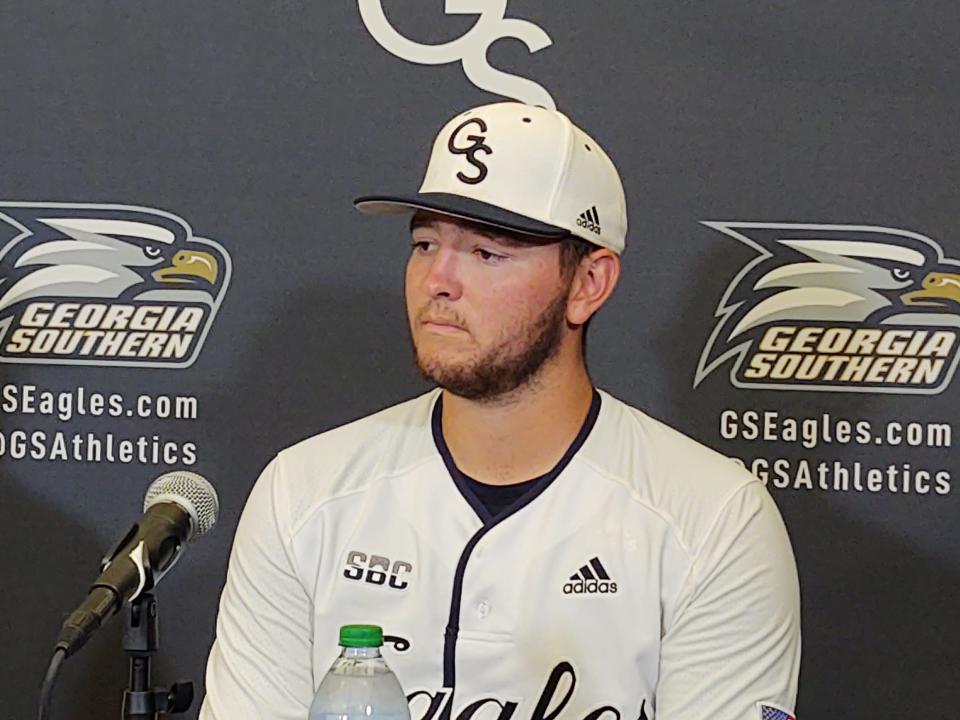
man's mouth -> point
(441, 322)
(441, 326)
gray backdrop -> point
(257, 123)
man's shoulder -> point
(685, 482)
(347, 458)
(387, 425)
(647, 451)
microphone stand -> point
(141, 639)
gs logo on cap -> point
(479, 143)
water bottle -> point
(359, 685)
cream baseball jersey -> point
(644, 577)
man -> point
(535, 548)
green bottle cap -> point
(359, 636)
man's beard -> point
(503, 369)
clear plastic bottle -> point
(359, 685)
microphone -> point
(179, 507)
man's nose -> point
(443, 275)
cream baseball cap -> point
(522, 168)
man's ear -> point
(593, 282)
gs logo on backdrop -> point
(841, 308)
(471, 48)
(87, 284)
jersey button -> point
(483, 609)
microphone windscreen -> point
(190, 491)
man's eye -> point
(486, 255)
(421, 245)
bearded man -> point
(532, 546)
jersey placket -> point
(452, 631)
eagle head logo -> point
(837, 308)
(105, 285)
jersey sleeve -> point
(734, 642)
(260, 663)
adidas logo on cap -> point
(590, 220)
(591, 579)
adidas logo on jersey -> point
(591, 579)
(590, 220)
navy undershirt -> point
(498, 497)
(495, 498)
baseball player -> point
(534, 548)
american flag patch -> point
(769, 712)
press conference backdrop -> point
(790, 295)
